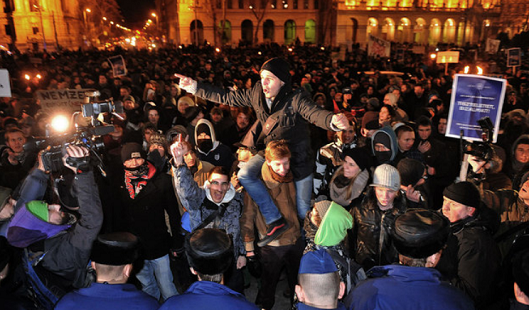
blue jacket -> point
(403, 287)
(302, 306)
(107, 297)
(208, 295)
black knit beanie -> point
(279, 67)
(359, 155)
(464, 193)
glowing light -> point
(153, 14)
(88, 11)
(480, 70)
(466, 70)
(251, 7)
(433, 56)
(322, 48)
(290, 49)
(259, 53)
(39, 76)
(26, 76)
(217, 50)
(104, 18)
(60, 123)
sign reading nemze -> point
(473, 98)
(64, 99)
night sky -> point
(136, 12)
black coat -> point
(289, 119)
(144, 216)
(372, 227)
(471, 260)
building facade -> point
(41, 24)
(333, 22)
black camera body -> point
(483, 150)
(54, 145)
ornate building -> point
(333, 21)
(56, 24)
(39, 24)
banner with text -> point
(473, 98)
(64, 100)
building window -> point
(35, 30)
(295, 4)
(316, 4)
(241, 4)
(8, 30)
(230, 4)
(219, 4)
(273, 4)
(306, 4)
(263, 4)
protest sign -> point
(119, 67)
(5, 85)
(377, 46)
(473, 98)
(64, 100)
(448, 57)
(514, 57)
(492, 46)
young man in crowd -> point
(286, 250)
(283, 114)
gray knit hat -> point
(386, 176)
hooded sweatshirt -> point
(386, 136)
(219, 154)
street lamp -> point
(87, 10)
(41, 26)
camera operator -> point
(57, 244)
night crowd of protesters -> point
(289, 152)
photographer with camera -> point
(57, 243)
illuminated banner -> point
(377, 46)
(68, 100)
(119, 67)
(473, 98)
(5, 85)
(449, 57)
(514, 57)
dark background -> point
(136, 12)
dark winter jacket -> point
(288, 119)
(372, 226)
(471, 260)
(144, 216)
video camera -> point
(54, 143)
(483, 150)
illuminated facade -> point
(38, 24)
(336, 22)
